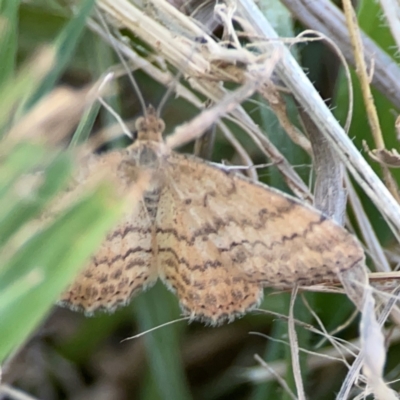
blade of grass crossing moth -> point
(73, 220)
(15, 91)
(9, 38)
(154, 308)
(47, 262)
(65, 45)
(16, 161)
(85, 125)
(17, 209)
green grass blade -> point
(17, 160)
(65, 45)
(8, 38)
(86, 123)
(167, 372)
(16, 210)
(16, 91)
(31, 281)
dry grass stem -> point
(193, 129)
(279, 379)
(374, 248)
(317, 360)
(244, 156)
(209, 53)
(324, 16)
(278, 106)
(391, 9)
(361, 70)
(292, 75)
(338, 52)
(10, 392)
(294, 348)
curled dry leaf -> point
(390, 158)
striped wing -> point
(222, 238)
(123, 266)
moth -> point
(214, 237)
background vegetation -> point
(52, 353)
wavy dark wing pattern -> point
(124, 264)
(221, 238)
(214, 237)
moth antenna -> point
(116, 116)
(125, 65)
(172, 86)
(167, 94)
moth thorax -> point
(148, 157)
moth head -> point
(150, 127)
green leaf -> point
(31, 281)
(65, 45)
(17, 209)
(8, 38)
(167, 380)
